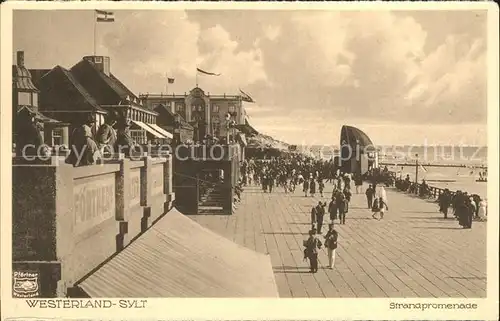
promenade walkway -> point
(413, 252)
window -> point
(179, 108)
(34, 99)
(232, 108)
(24, 99)
(138, 136)
(215, 108)
(98, 60)
(193, 108)
(57, 137)
(200, 108)
(216, 129)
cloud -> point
(221, 54)
(152, 44)
(310, 71)
(272, 32)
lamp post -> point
(416, 172)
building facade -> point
(26, 99)
(89, 87)
(207, 114)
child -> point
(375, 208)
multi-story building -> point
(25, 99)
(89, 87)
(208, 114)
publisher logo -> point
(25, 284)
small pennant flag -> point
(171, 80)
(105, 16)
(206, 72)
(246, 97)
(422, 168)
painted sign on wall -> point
(94, 200)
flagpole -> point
(196, 78)
(95, 27)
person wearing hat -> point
(124, 142)
(312, 244)
(331, 244)
(332, 209)
(106, 135)
(84, 150)
(320, 213)
(312, 185)
(28, 135)
(305, 185)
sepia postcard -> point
(249, 161)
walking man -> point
(341, 204)
(312, 244)
(320, 214)
(370, 192)
(331, 245)
(358, 181)
(332, 210)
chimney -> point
(101, 62)
(20, 58)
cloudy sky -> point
(404, 77)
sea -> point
(474, 158)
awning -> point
(161, 130)
(148, 129)
(178, 257)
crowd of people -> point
(466, 207)
(309, 175)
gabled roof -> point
(107, 90)
(60, 89)
(37, 74)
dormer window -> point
(232, 108)
(98, 60)
(24, 98)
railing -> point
(417, 188)
(68, 220)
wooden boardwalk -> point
(413, 252)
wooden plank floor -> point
(413, 252)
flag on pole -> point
(206, 72)
(104, 16)
(246, 97)
(171, 80)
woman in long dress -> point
(483, 210)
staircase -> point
(210, 200)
